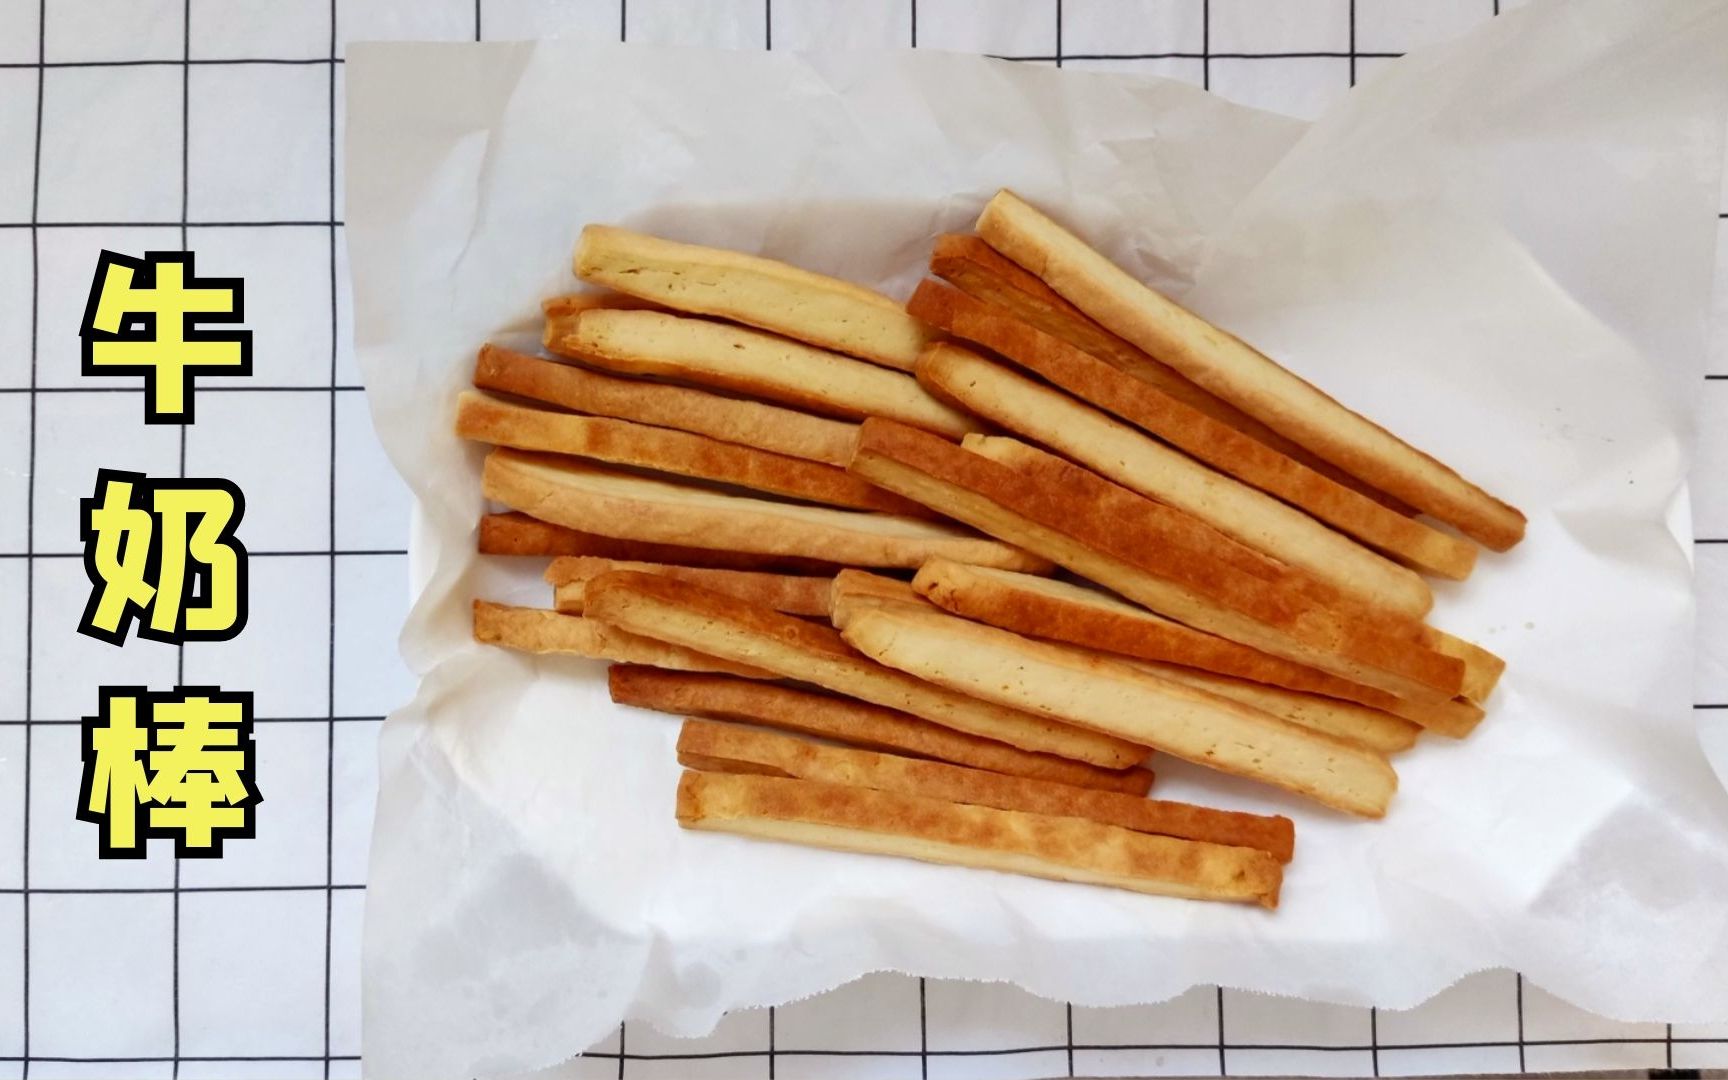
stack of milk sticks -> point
(939, 579)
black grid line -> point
(30, 515)
(261, 224)
(180, 650)
(1014, 1051)
(1068, 1037)
(1206, 54)
(1353, 55)
(1223, 1062)
(1202, 55)
(330, 654)
(218, 389)
(164, 890)
(1059, 64)
(1373, 1013)
(189, 1057)
(1518, 984)
(923, 1009)
(1113, 1048)
(39, 721)
(229, 61)
(347, 553)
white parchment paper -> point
(1500, 248)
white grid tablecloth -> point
(215, 126)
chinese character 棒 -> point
(148, 317)
(163, 553)
(172, 765)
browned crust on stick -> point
(888, 823)
(980, 271)
(1205, 438)
(561, 311)
(850, 582)
(748, 423)
(793, 594)
(859, 590)
(1482, 669)
(1150, 555)
(1079, 615)
(1454, 719)
(1180, 533)
(1076, 615)
(624, 442)
(570, 492)
(1378, 731)
(760, 365)
(1127, 456)
(858, 723)
(749, 289)
(516, 533)
(533, 630)
(724, 626)
(731, 748)
(1198, 552)
(576, 303)
(1240, 374)
(1106, 694)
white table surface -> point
(215, 125)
